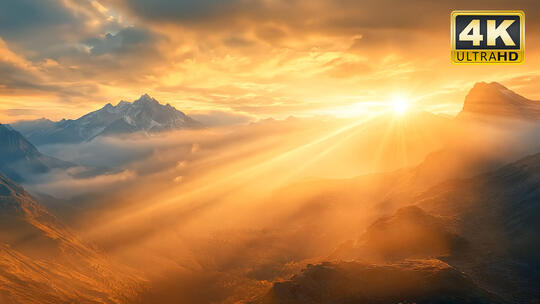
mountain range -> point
(20, 159)
(145, 114)
(459, 227)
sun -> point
(399, 105)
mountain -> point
(144, 114)
(409, 233)
(491, 100)
(497, 213)
(418, 281)
(28, 126)
(495, 127)
(41, 261)
(470, 240)
(485, 226)
(19, 158)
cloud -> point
(129, 39)
(261, 57)
(50, 28)
(166, 156)
(308, 16)
(183, 9)
(21, 75)
(63, 185)
(238, 41)
(221, 118)
(21, 112)
(19, 78)
(103, 152)
(22, 16)
(66, 44)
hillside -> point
(41, 261)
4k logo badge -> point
(488, 37)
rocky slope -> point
(41, 261)
(485, 226)
(418, 281)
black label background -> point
(513, 30)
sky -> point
(258, 58)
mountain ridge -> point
(410, 281)
(144, 114)
(19, 158)
(490, 100)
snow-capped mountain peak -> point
(146, 99)
(144, 114)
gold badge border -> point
(455, 13)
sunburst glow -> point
(400, 105)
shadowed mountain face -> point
(42, 262)
(144, 114)
(492, 100)
(421, 281)
(19, 158)
(497, 213)
(485, 226)
(409, 233)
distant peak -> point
(43, 119)
(145, 99)
(492, 86)
(489, 94)
(494, 99)
(123, 103)
(6, 126)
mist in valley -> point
(219, 214)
